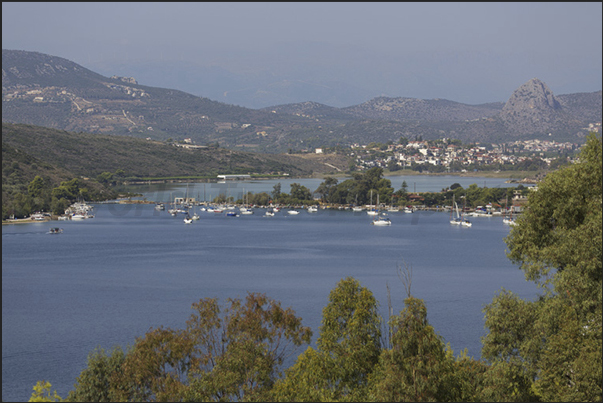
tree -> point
(276, 192)
(68, 190)
(300, 192)
(36, 187)
(42, 393)
(155, 368)
(555, 341)
(239, 351)
(347, 349)
(94, 384)
(326, 188)
(418, 366)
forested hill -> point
(85, 154)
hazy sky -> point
(467, 52)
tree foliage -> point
(555, 341)
(347, 350)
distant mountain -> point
(54, 92)
(422, 109)
(313, 110)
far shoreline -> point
(484, 174)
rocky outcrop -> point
(532, 108)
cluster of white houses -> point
(425, 152)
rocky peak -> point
(531, 108)
(532, 95)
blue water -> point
(104, 281)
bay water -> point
(107, 280)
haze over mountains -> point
(54, 92)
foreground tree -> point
(419, 367)
(224, 354)
(94, 382)
(347, 350)
(554, 343)
(239, 352)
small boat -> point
(188, 220)
(381, 221)
(159, 207)
(312, 209)
(293, 212)
(408, 209)
(38, 217)
(55, 230)
(466, 223)
(508, 220)
(357, 209)
(231, 214)
(270, 213)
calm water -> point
(107, 280)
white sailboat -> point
(373, 211)
(453, 220)
(508, 220)
(465, 222)
(195, 215)
(245, 209)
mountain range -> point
(54, 92)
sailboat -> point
(465, 222)
(457, 220)
(380, 220)
(195, 215)
(173, 210)
(245, 209)
(373, 211)
(508, 220)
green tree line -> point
(363, 187)
(41, 195)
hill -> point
(53, 92)
(88, 155)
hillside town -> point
(446, 155)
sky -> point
(467, 52)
